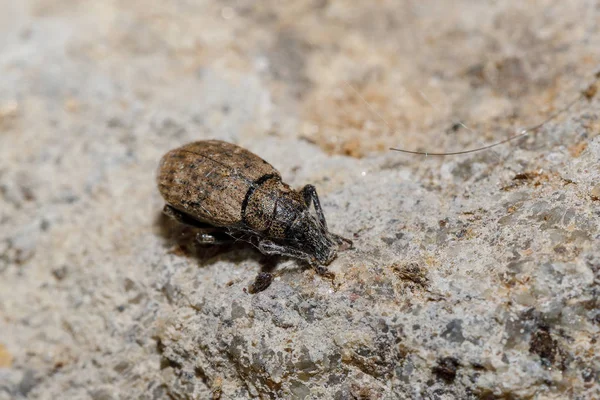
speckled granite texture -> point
(473, 277)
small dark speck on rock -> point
(391, 240)
(460, 234)
(334, 379)
(595, 193)
(44, 225)
(169, 291)
(411, 272)
(60, 273)
(455, 127)
(477, 366)
(446, 368)
(588, 374)
(387, 240)
(115, 122)
(453, 332)
(543, 345)
(560, 249)
(121, 367)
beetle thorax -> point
(271, 207)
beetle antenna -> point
(588, 93)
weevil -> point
(222, 188)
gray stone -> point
(473, 277)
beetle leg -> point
(270, 248)
(345, 244)
(184, 218)
(310, 196)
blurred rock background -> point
(473, 277)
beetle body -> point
(222, 187)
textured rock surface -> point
(473, 277)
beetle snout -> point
(327, 253)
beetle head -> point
(309, 236)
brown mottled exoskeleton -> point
(223, 188)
